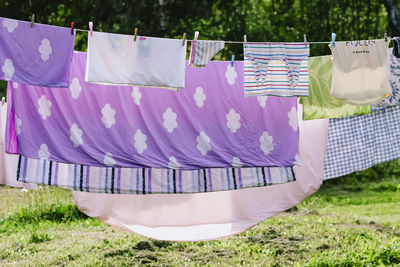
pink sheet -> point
(205, 216)
(8, 162)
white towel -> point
(360, 71)
(117, 59)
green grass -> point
(352, 221)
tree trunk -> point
(393, 16)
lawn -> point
(351, 221)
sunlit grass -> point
(349, 222)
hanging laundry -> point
(117, 59)
(360, 142)
(394, 80)
(276, 69)
(200, 127)
(319, 103)
(40, 55)
(147, 181)
(202, 52)
(189, 217)
(396, 44)
(360, 75)
(8, 162)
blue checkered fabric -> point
(394, 80)
(359, 142)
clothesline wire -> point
(232, 42)
(228, 42)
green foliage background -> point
(268, 20)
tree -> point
(267, 20)
(392, 9)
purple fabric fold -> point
(207, 124)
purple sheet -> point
(37, 56)
(209, 123)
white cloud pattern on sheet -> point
(108, 160)
(75, 88)
(293, 118)
(173, 163)
(199, 97)
(140, 141)
(262, 100)
(266, 143)
(76, 135)
(136, 95)
(170, 120)
(233, 120)
(44, 107)
(297, 160)
(236, 162)
(203, 143)
(230, 74)
(43, 152)
(10, 24)
(108, 117)
(18, 124)
(45, 49)
(8, 69)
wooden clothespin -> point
(196, 35)
(134, 37)
(333, 39)
(90, 28)
(32, 20)
(3, 100)
(386, 38)
(305, 39)
(72, 28)
(184, 39)
(245, 39)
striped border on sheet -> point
(142, 181)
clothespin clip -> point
(245, 39)
(196, 35)
(232, 60)
(184, 38)
(333, 39)
(3, 100)
(91, 28)
(135, 36)
(386, 38)
(72, 28)
(32, 20)
(305, 39)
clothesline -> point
(228, 42)
(232, 42)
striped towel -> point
(277, 69)
(202, 52)
(147, 180)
